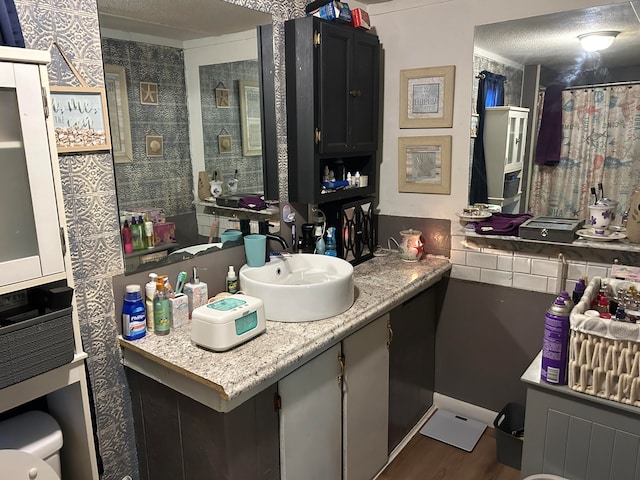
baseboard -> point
(464, 409)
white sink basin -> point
(301, 287)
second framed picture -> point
(426, 97)
(424, 164)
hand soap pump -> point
(196, 291)
(150, 293)
(330, 243)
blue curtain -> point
(490, 94)
(10, 31)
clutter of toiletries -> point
(217, 323)
(342, 179)
(144, 228)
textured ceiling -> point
(178, 20)
(551, 40)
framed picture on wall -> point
(118, 106)
(224, 143)
(250, 118)
(426, 97)
(80, 119)
(424, 164)
(148, 93)
(154, 146)
(222, 97)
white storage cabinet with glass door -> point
(505, 130)
(34, 255)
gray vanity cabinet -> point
(411, 364)
(178, 438)
(579, 437)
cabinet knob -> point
(355, 93)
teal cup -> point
(230, 235)
(255, 249)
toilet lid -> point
(18, 465)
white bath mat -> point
(453, 429)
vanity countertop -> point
(224, 380)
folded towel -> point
(502, 224)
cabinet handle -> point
(390, 330)
(517, 140)
(355, 93)
(341, 362)
(318, 136)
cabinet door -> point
(335, 56)
(366, 400)
(364, 93)
(411, 364)
(310, 420)
(30, 237)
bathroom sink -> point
(301, 287)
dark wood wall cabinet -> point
(333, 89)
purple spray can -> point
(555, 346)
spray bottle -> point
(555, 345)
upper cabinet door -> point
(30, 237)
(348, 81)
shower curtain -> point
(600, 144)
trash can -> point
(509, 429)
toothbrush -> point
(182, 277)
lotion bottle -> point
(196, 291)
(150, 293)
(232, 281)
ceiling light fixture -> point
(595, 41)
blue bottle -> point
(134, 316)
(330, 243)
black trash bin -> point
(509, 427)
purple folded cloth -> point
(502, 224)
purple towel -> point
(502, 224)
(550, 133)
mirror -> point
(172, 58)
(537, 52)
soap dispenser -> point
(196, 291)
(330, 243)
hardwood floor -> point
(426, 459)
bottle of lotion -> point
(150, 293)
(232, 281)
(148, 231)
(196, 291)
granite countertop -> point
(224, 380)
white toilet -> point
(29, 447)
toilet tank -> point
(34, 432)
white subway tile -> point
(531, 255)
(595, 270)
(457, 242)
(505, 263)
(458, 257)
(548, 268)
(576, 270)
(496, 251)
(465, 273)
(496, 277)
(530, 282)
(521, 264)
(482, 260)
(552, 285)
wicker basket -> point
(604, 355)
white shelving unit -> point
(31, 193)
(505, 130)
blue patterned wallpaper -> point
(165, 182)
(214, 120)
(91, 209)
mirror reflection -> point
(180, 133)
(581, 108)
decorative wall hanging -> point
(250, 118)
(424, 164)
(154, 145)
(222, 96)
(79, 115)
(148, 93)
(224, 141)
(426, 97)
